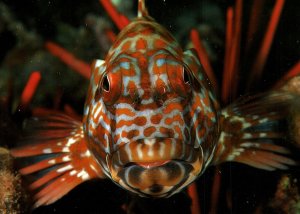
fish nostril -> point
(129, 164)
(158, 99)
(136, 101)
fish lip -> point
(172, 189)
(149, 164)
(179, 151)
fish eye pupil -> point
(105, 83)
(186, 77)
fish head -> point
(150, 117)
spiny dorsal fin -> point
(142, 9)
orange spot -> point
(148, 131)
(176, 118)
(131, 86)
(126, 46)
(131, 134)
(155, 119)
(178, 131)
(171, 107)
(131, 34)
(160, 83)
(166, 131)
(159, 43)
(129, 72)
(124, 111)
(141, 44)
(143, 62)
(140, 121)
(147, 31)
(116, 138)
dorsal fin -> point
(142, 9)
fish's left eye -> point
(186, 77)
(105, 84)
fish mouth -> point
(155, 167)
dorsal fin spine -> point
(142, 9)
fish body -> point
(152, 123)
(150, 110)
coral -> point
(11, 194)
(293, 85)
(286, 198)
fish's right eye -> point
(105, 83)
(110, 87)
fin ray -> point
(61, 159)
(251, 128)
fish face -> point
(151, 117)
(156, 167)
(153, 148)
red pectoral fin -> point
(251, 129)
(61, 159)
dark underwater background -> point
(78, 27)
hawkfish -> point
(152, 123)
